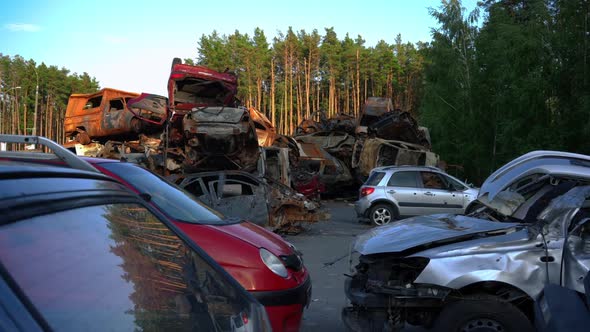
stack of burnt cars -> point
(343, 150)
(198, 128)
(485, 271)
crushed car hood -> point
(426, 231)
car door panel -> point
(434, 196)
(456, 198)
(402, 189)
(239, 199)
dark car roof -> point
(19, 169)
(28, 189)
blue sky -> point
(129, 45)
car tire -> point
(382, 214)
(482, 313)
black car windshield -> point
(172, 200)
(218, 114)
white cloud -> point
(115, 39)
(22, 27)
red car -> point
(267, 266)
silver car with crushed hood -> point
(483, 271)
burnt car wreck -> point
(219, 137)
(483, 270)
(105, 115)
(261, 201)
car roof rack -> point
(59, 151)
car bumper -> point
(361, 207)
(285, 307)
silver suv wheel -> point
(381, 214)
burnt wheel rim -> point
(482, 325)
(381, 216)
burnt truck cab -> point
(103, 115)
(484, 270)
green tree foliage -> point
(302, 72)
(515, 83)
(19, 79)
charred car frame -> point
(262, 201)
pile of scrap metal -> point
(199, 127)
(387, 136)
(350, 147)
(318, 122)
(325, 147)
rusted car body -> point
(372, 111)
(400, 126)
(376, 152)
(220, 137)
(489, 266)
(264, 202)
(265, 131)
(318, 122)
(198, 86)
(217, 133)
(333, 173)
(102, 115)
(274, 163)
(338, 143)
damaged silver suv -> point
(482, 271)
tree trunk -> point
(272, 92)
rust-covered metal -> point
(197, 86)
(315, 123)
(220, 137)
(338, 143)
(319, 122)
(333, 173)
(400, 126)
(265, 131)
(101, 116)
(375, 152)
(373, 109)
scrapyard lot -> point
(326, 247)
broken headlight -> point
(391, 271)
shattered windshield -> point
(218, 114)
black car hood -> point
(424, 231)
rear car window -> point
(374, 178)
(174, 201)
(116, 267)
(403, 179)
